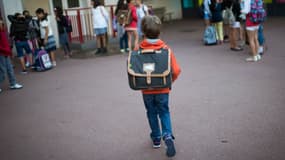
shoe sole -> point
(156, 146)
(15, 88)
(170, 150)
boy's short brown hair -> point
(151, 26)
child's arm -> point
(176, 70)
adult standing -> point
(62, 24)
(5, 62)
(100, 24)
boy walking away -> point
(5, 63)
(157, 100)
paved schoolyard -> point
(223, 108)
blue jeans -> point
(157, 106)
(21, 46)
(7, 68)
(261, 38)
(124, 41)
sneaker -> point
(258, 57)
(27, 64)
(127, 50)
(24, 71)
(170, 148)
(54, 64)
(104, 50)
(156, 143)
(99, 51)
(0, 90)
(253, 59)
(16, 86)
(122, 50)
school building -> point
(80, 13)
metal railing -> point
(82, 23)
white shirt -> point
(43, 25)
(100, 17)
(246, 8)
(142, 11)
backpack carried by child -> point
(228, 16)
(257, 12)
(42, 61)
(149, 69)
(210, 37)
(124, 17)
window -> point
(73, 3)
(57, 3)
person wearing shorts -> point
(19, 30)
(252, 33)
(100, 24)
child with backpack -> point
(47, 37)
(5, 63)
(217, 19)
(62, 26)
(255, 15)
(157, 100)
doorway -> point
(190, 8)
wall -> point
(33, 5)
(10, 8)
(171, 6)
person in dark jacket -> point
(19, 30)
(62, 23)
(217, 19)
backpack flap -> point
(149, 69)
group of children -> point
(129, 34)
(232, 18)
(30, 34)
(142, 25)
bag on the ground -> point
(228, 16)
(149, 69)
(210, 37)
(42, 61)
(257, 12)
(68, 26)
(124, 17)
